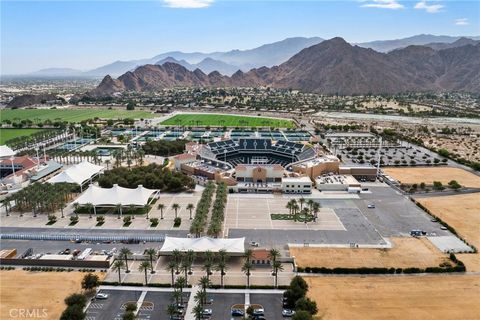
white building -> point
(301, 185)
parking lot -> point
(154, 305)
(394, 215)
(272, 304)
(222, 304)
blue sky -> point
(87, 34)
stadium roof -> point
(6, 151)
(116, 195)
(234, 246)
(78, 173)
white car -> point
(371, 206)
(254, 244)
(102, 296)
(207, 312)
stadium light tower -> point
(379, 157)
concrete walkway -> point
(140, 301)
(189, 315)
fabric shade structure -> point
(234, 246)
(78, 174)
(6, 152)
(110, 197)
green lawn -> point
(226, 120)
(7, 134)
(71, 115)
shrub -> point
(177, 221)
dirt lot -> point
(462, 213)
(406, 297)
(36, 291)
(406, 252)
(430, 174)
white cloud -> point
(384, 4)
(430, 8)
(188, 4)
(462, 22)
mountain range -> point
(228, 62)
(330, 67)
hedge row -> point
(460, 267)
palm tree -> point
(190, 207)
(301, 201)
(124, 253)
(248, 254)
(175, 207)
(208, 263)
(179, 284)
(118, 207)
(144, 266)
(151, 252)
(89, 208)
(171, 310)
(273, 255)
(75, 208)
(118, 265)
(107, 162)
(198, 312)
(160, 207)
(177, 257)
(200, 297)
(190, 256)
(204, 282)
(316, 209)
(310, 203)
(277, 266)
(171, 266)
(176, 295)
(246, 267)
(222, 267)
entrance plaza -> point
(255, 213)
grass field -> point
(37, 290)
(406, 253)
(462, 212)
(226, 120)
(71, 115)
(428, 175)
(7, 134)
(432, 297)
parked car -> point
(254, 244)
(288, 312)
(207, 312)
(443, 228)
(258, 312)
(371, 206)
(238, 313)
(259, 318)
(102, 296)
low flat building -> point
(318, 166)
(302, 185)
(364, 173)
(335, 182)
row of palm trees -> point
(218, 210)
(303, 207)
(129, 155)
(182, 262)
(40, 198)
(175, 207)
(203, 207)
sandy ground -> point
(36, 292)
(406, 252)
(430, 174)
(399, 297)
(462, 212)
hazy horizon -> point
(85, 35)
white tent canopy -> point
(107, 197)
(78, 173)
(6, 152)
(234, 246)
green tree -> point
(90, 281)
(151, 252)
(145, 266)
(118, 266)
(124, 253)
